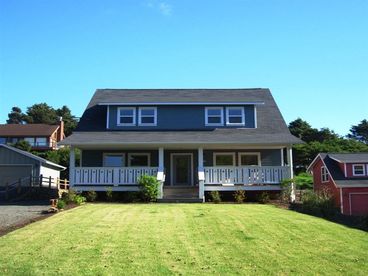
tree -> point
(16, 116)
(70, 122)
(41, 113)
(61, 157)
(360, 132)
(23, 145)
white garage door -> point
(10, 174)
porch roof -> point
(245, 137)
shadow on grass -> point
(357, 222)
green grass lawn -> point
(185, 239)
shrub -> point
(304, 181)
(79, 199)
(319, 203)
(109, 194)
(149, 187)
(215, 196)
(285, 195)
(60, 204)
(263, 198)
(91, 196)
(68, 197)
(239, 196)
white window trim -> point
(322, 174)
(140, 154)
(228, 108)
(224, 153)
(113, 153)
(258, 154)
(214, 108)
(361, 165)
(140, 116)
(126, 108)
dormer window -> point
(214, 116)
(147, 116)
(235, 116)
(358, 170)
(126, 116)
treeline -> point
(325, 140)
(42, 113)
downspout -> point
(341, 202)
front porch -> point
(201, 170)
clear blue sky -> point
(312, 54)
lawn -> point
(183, 239)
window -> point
(41, 142)
(147, 116)
(358, 170)
(30, 140)
(126, 116)
(249, 159)
(214, 116)
(235, 115)
(2, 140)
(139, 159)
(113, 160)
(224, 159)
(324, 174)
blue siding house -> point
(192, 140)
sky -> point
(313, 54)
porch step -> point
(180, 195)
(180, 192)
(180, 200)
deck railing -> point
(246, 175)
(111, 175)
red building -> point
(345, 175)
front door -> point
(181, 169)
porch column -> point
(160, 172)
(71, 166)
(200, 174)
(290, 164)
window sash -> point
(324, 174)
(147, 116)
(257, 155)
(126, 114)
(359, 170)
(225, 155)
(132, 162)
(235, 119)
(214, 116)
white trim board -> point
(172, 167)
(181, 103)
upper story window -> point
(126, 116)
(214, 116)
(324, 174)
(358, 170)
(235, 115)
(147, 116)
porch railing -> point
(246, 175)
(110, 175)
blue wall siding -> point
(179, 117)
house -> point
(40, 136)
(345, 176)
(17, 164)
(193, 140)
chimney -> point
(60, 134)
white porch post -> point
(71, 166)
(160, 173)
(201, 174)
(290, 164)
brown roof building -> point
(40, 136)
